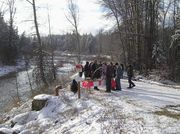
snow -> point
(128, 111)
(6, 130)
(155, 80)
(77, 78)
(42, 97)
(67, 68)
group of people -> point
(108, 72)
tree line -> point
(143, 34)
(144, 30)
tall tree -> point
(43, 70)
(3, 39)
(116, 10)
(52, 48)
(12, 45)
(73, 18)
(175, 47)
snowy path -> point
(127, 111)
(145, 109)
(151, 93)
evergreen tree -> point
(8, 52)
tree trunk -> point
(40, 53)
(52, 48)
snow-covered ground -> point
(157, 81)
(147, 108)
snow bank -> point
(58, 109)
(5, 130)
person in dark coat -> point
(122, 67)
(98, 71)
(95, 73)
(130, 75)
(113, 69)
(94, 66)
(91, 71)
(119, 75)
(109, 76)
(104, 68)
(74, 86)
(87, 70)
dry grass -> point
(16, 102)
(39, 91)
(2, 120)
(45, 89)
(167, 113)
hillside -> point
(147, 108)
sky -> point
(91, 17)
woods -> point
(9, 38)
(145, 34)
(145, 28)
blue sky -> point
(91, 18)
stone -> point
(39, 102)
(13, 124)
(37, 105)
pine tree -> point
(8, 53)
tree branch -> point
(70, 21)
(29, 2)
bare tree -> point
(51, 46)
(40, 53)
(175, 47)
(100, 42)
(115, 12)
(12, 12)
(3, 9)
(73, 18)
(166, 6)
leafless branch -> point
(69, 21)
(29, 2)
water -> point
(8, 89)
